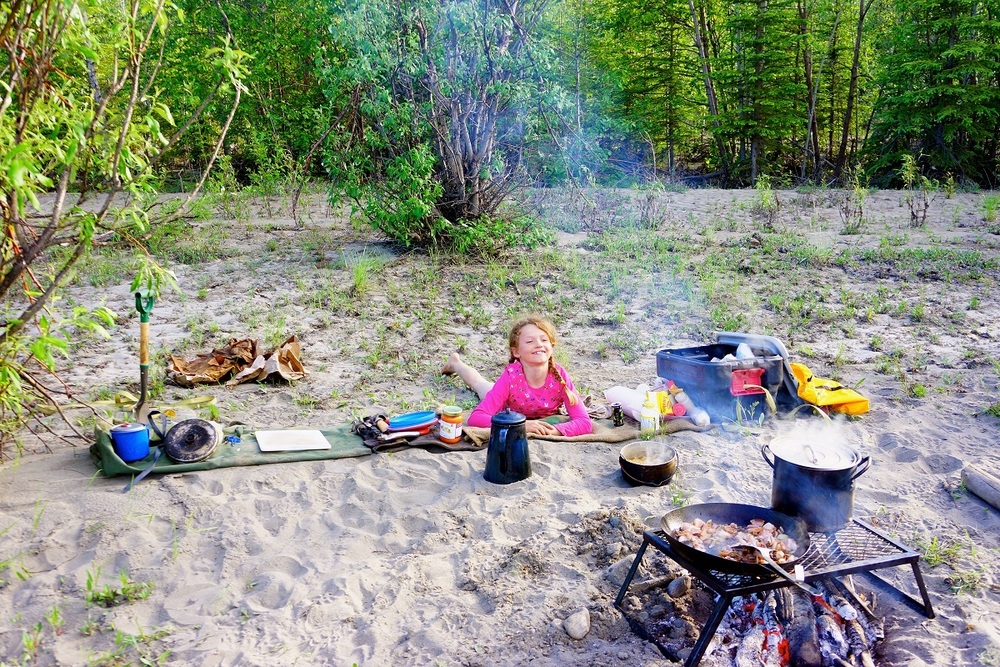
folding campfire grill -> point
(856, 548)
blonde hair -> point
(549, 330)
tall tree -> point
(941, 89)
(864, 6)
(759, 80)
(643, 64)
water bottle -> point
(649, 419)
(697, 415)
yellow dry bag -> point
(827, 393)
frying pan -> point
(741, 515)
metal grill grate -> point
(855, 543)
(858, 547)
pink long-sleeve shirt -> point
(512, 390)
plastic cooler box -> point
(724, 389)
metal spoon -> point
(766, 555)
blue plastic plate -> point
(412, 420)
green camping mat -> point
(343, 444)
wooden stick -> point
(983, 484)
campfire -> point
(786, 627)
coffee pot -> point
(507, 453)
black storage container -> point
(720, 387)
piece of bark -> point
(983, 484)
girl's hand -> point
(539, 427)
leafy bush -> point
(433, 96)
(73, 128)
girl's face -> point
(533, 346)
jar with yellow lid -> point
(450, 424)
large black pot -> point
(814, 482)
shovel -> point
(144, 306)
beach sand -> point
(413, 558)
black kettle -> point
(507, 453)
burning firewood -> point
(795, 611)
(790, 627)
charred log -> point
(795, 611)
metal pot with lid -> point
(814, 481)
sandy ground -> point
(412, 557)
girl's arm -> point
(579, 420)
(492, 403)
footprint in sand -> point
(207, 486)
(890, 441)
(273, 587)
(267, 488)
(943, 463)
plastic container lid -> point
(818, 456)
(412, 420)
(128, 428)
(508, 418)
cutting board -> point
(291, 440)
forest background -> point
(425, 115)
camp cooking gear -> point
(648, 462)
(507, 452)
(777, 569)
(413, 421)
(726, 389)
(858, 547)
(761, 344)
(191, 440)
(814, 482)
(741, 515)
(131, 441)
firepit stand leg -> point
(708, 631)
(905, 597)
(928, 610)
(631, 572)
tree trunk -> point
(838, 170)
(706, 70)
(811, 150)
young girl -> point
(532, 384)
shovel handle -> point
(144, 306)
(144, 343)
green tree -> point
(759, 84)
(282, 112)
(82, 126)
(940, 83)
(643, 72)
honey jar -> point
(450, 425)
